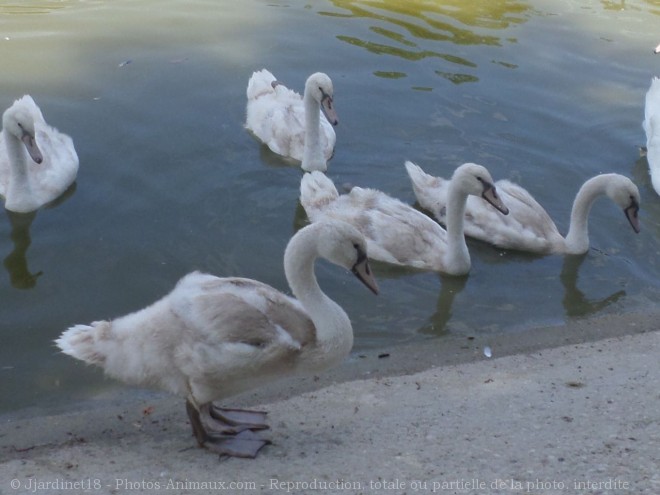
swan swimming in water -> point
(651, 126)
(211, 338)
(292, 126)
(37, 162)
(528, 227)
(396, 232)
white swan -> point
(292, 126)
(657, 49)
(528, 227)
(396, 232)
(212, 337)
(37, 162)
(652, 128)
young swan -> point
(528, 227)
(396, 232)
(37, 162)
(211, 338)
(292, 126)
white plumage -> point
(37, 162)
(396, 232)
(652, 128)
(528, 227)
(291, 125)
(212, 337)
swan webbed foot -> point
(245, 444)
(228, 432)
(243, 419)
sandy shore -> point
(571, 409)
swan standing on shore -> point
(396, 232)
(652, 128)
(37, 162)
(212, 338)
(292, 126)
(528, 227)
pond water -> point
(546, 93)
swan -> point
(652, 128)
(396, 232)
(37, 162)
(292, 126)
(211, 338)
(528, 227)
(657, 49)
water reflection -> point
(16, 262)
(32, 7)
(449, 289)
(575, 302)
(415, 30)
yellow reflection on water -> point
(417, 29)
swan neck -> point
(312, 153)
(457, 256)
(577, 239)
(334, 334)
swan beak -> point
(329, 110)
(31, 145)
(362, 270)
(490, 195)
(632, 215)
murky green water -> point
(547, 93)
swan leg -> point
(236, 440)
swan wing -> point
(431, 192)
(242, 333)
(5, 169)
(275, 115)
(316, 192)
(60, 162)
(527, 227)
(395, 232)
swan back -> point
(37, 162)
(396, 233)
(652, 128)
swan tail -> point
(260, 83)
(84, 342)
(420, 179)
(317, 190)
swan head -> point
(476, 180)
(319, 87)
(19, 121)
(343, 245)
(625, 194)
